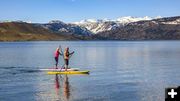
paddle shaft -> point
(62, 55)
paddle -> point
(62, 55)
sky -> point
(42, 11)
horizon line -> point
(30, 21)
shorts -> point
(66, 61)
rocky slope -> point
(157, 29)
(61, 27)
(97, 26)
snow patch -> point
(177, 21)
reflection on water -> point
(120, 71)
(58, 90)
(57, 85)
(65, 87)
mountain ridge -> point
(156, 29)
(100, 25)
(167, 28)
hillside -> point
(100, 25)
(127, 28)
(61, 27)
(21, 31)
(157, 29)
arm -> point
(60, 53)
(71, 53)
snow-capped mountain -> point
(162, 28)
(129, 19)
(96, 26)
(125, 28)
(93, 26)
(61, 27)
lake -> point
(119, 71)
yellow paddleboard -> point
(68, 72)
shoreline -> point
(85, 41)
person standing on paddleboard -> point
(56, 56)
(66, 57)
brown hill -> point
(21, 31)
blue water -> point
(119, 71)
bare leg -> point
(56, 59)
(56, 65)
(66, 67)
(66, 64)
